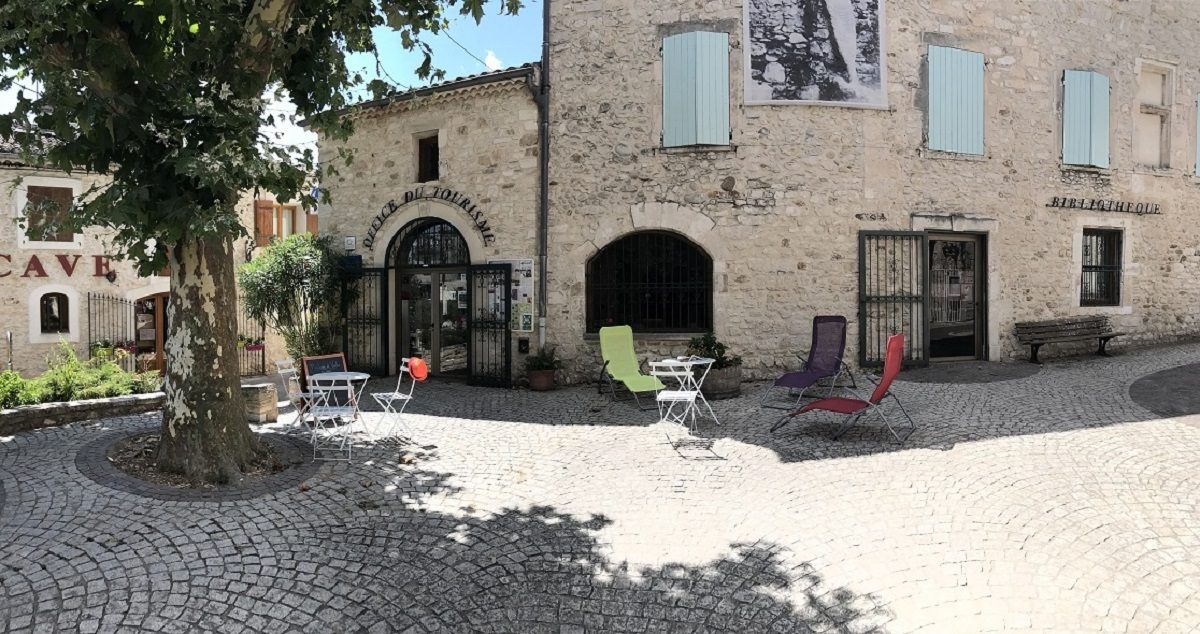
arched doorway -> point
(432, 265)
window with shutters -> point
(654, 281)
(1152, 117)
(955, 79)
(54, 309)
(1085, 124)
(695, 68)
(276, 220)
(1101, 281)
(428, 158)
(43, 206)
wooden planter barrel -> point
(723, 383)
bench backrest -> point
(1065, 327)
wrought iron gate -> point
(252, 350)
(893, 294)
(365, 308)
(110, 329)
(489, 334)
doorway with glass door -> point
(433, 319)
(957, 297)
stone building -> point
(439, 209)
(998, 162)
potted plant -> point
(540, 368)
(102, 349)
(253, 345)
(724, 379)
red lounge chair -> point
(855, 409)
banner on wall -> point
(820, 52)
(522, 293)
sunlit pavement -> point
(1052, 502)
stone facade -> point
(486, 185)
(779, 211)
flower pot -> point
(253, 347)
(541, 380)
(722, 383)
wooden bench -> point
(1036, 333)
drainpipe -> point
(543, 103)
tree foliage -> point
(293, 286)
(167, 98)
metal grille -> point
(252, 350)
(425, 243)
(364, 339)
(1101, 283)
(489, 340)
(652, 281)
(893, 294)
(110, 329)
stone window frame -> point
(949, 40)
(1166, 111)
(21, 197)
(35, 314)
(730, 27)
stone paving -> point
(1052, 503)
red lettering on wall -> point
(103, 264)
(34, 265)
(7, 258)
(68, 265)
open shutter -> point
(955, 100)
(311, 221)
(1085, 118)
(696, 89)
(264, 222)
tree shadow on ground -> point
(415, 563)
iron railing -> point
(1101, 281)
(653, 281)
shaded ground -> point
(1050, 503)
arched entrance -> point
(432, 262)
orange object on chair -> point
(418, 369)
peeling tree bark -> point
(204, 431)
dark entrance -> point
(955, 296)
(450, 313)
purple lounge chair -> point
(824, 361)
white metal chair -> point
(333, 412)
(685, 395)
(300, 400)
(394, 402)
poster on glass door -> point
(521, 293)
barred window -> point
(1101, 268)
(653, 281)
(55, 315)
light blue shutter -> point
(955, 100)
(696, 89)
(1085, 118)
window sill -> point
(1146, 170)
(651, 336)
(44, 245)
(1105, 310)
(1086, 169)
(696, 149)
(942, 155)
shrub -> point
(708, 346)
(67, 378)
(15, 390)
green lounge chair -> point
(621, 364)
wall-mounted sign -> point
(521, 306)
(101, 265)
(1099, 204)
(448, 196)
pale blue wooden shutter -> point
(955, 100)
(696, 89)
(1085, 118)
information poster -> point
(521, 293)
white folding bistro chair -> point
(300, 400)
(333, 412)
(684, 395)
(394, 402)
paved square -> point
(1052, 502)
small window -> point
(653, 281)
(427, 159)
(955, 100)
(1152, 119)
(695, 89)
(47, 212)
(55, 313)
(1101, 283)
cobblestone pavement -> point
(1048, 503)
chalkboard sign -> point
(324, 363)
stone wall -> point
(29, 417)
(488, 154)
(780, 210)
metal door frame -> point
(435, 335)
(981, 288)
(919, 299)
